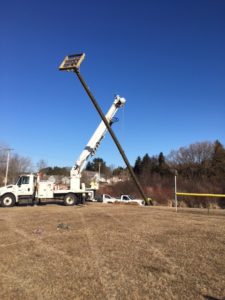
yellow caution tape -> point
(200, 195)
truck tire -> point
(8, 200)
(70, 199)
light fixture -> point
(72, 62)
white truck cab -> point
(25, 188)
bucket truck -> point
(31, 187)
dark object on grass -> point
(62, 226)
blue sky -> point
(167, 58)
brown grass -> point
(111, 252)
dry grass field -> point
(111, 252)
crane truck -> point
(31, 187)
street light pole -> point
(72, 63)
(111, 133)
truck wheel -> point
(70, 199)
(8, 200)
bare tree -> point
(41, 164)
(19, 164)
(197, 153)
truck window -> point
(23, 180)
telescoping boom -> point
(94, 141)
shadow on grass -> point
(43, 203)
(207, 297)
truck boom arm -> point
(96, 138)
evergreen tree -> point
(89, 166)
(218, 160)
(161, 160)
(163, 168)
(138, 166)
(98, 164)
(146, 165)
(64, 171)
(118, 171)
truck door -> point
(25, 186)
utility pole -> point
(7, 163)
(175, 188)
(72, 63)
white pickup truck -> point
(123, 199)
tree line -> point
(200, 167)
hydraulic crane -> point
(94, 143)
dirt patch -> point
(111, 252)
